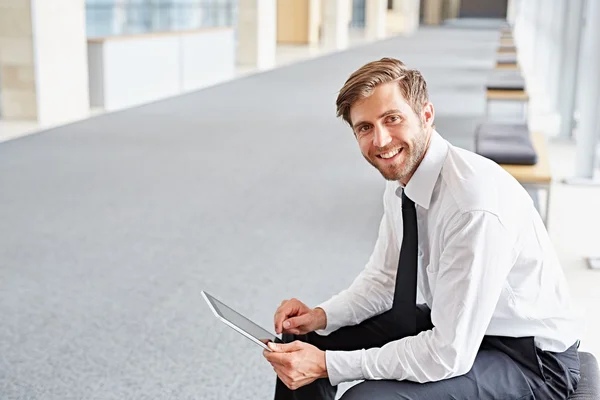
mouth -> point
(390, 155)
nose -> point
(381, 137)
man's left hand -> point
(297, 364)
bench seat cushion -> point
(502, 79)
(505, 143)
(506, 58)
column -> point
(336, 17)
(404, 16)
(519, 26)
(452, 9)
(541, 49)
(432, 12)
(375, 18)
(587, 134)
(256, 34)
(570, 54)
(511, 12)
(43, 61)
(529, 36)
(556, 56)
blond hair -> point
(362, 82)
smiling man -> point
(494, 319)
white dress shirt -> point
(486, 266)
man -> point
(497, 321)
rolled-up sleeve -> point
(477, 256)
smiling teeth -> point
(390, 154)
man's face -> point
(390, 135)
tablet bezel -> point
(215, 311)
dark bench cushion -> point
(589, 385)
(502, 79)
(506, 58)
(505, 143)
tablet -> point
(239, 323)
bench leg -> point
(547, 210)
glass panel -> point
(123, 17)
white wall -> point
(207, 59)
(140, 70)
(128, 71)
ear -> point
(428, 115)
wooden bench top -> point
(507, 66)
(496, 94)
(538, 173)
(507, 49)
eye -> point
(393, 118)
(363, 129)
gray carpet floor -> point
(251, 190)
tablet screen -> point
(242, 322)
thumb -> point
(296, 321)
(286, 347)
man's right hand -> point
(295, 317)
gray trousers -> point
(504, 368)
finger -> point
(276, 358)
(295, 322)
(285, 310)
(296, 345)
(279, 317)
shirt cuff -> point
(344, 366)
(338, 314)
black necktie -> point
(405, 294)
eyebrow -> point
(385, 114)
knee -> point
(363, 391)
(356, 392)
(381, 390)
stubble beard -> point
(403, 171)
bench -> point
(507, 61)
(507, 145)
(589, 384)
(507, 49)
(506, 85)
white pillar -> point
(511, 12)
(556, 56)
(375, 18)
(571, 45)
(541, 51)
(43, 61)
(587, 134)
(257, 33)
(432, 12)
(519, 23)
(530, 37)
(404, 16)
(336, 17)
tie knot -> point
(406, 201)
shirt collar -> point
(420, 186)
